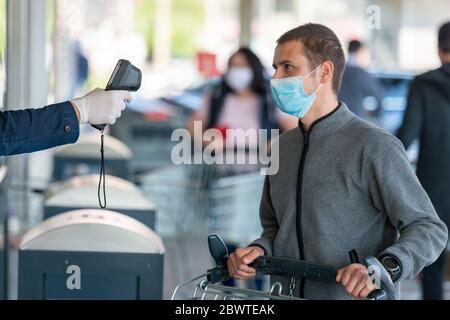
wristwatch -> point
(392, 265)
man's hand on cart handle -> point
(355, 279)
(238, 262)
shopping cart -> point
(196, 200)
(234, 211)
(208, 286)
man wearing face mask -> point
(343, 183)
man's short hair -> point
(354, 46)
(321, 44)
(444, 37)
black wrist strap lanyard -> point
(102, 180)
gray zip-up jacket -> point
(346, 184)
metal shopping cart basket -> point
(234, 207)
(196, 200)
(207, 290)
(208, 286)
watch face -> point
(390, 263)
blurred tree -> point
(187, 20)
(145, 22)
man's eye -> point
(287, 67)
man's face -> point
(291, 61)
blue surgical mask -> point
(290, 95)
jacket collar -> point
(330, 123)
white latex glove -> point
(102, 107)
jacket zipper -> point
(299, 206)
(306, 144)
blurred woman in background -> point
(242, 100)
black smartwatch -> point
(392, 265)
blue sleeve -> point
(30, 130)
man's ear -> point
(327, 71)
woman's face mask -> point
(239, 78)
(290, 95)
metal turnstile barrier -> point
(83, 158)
(82, 193)
(91, 254)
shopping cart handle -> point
(294, 268)
(267, 265)
(218, 250)
(379, 294)
(218, 274)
